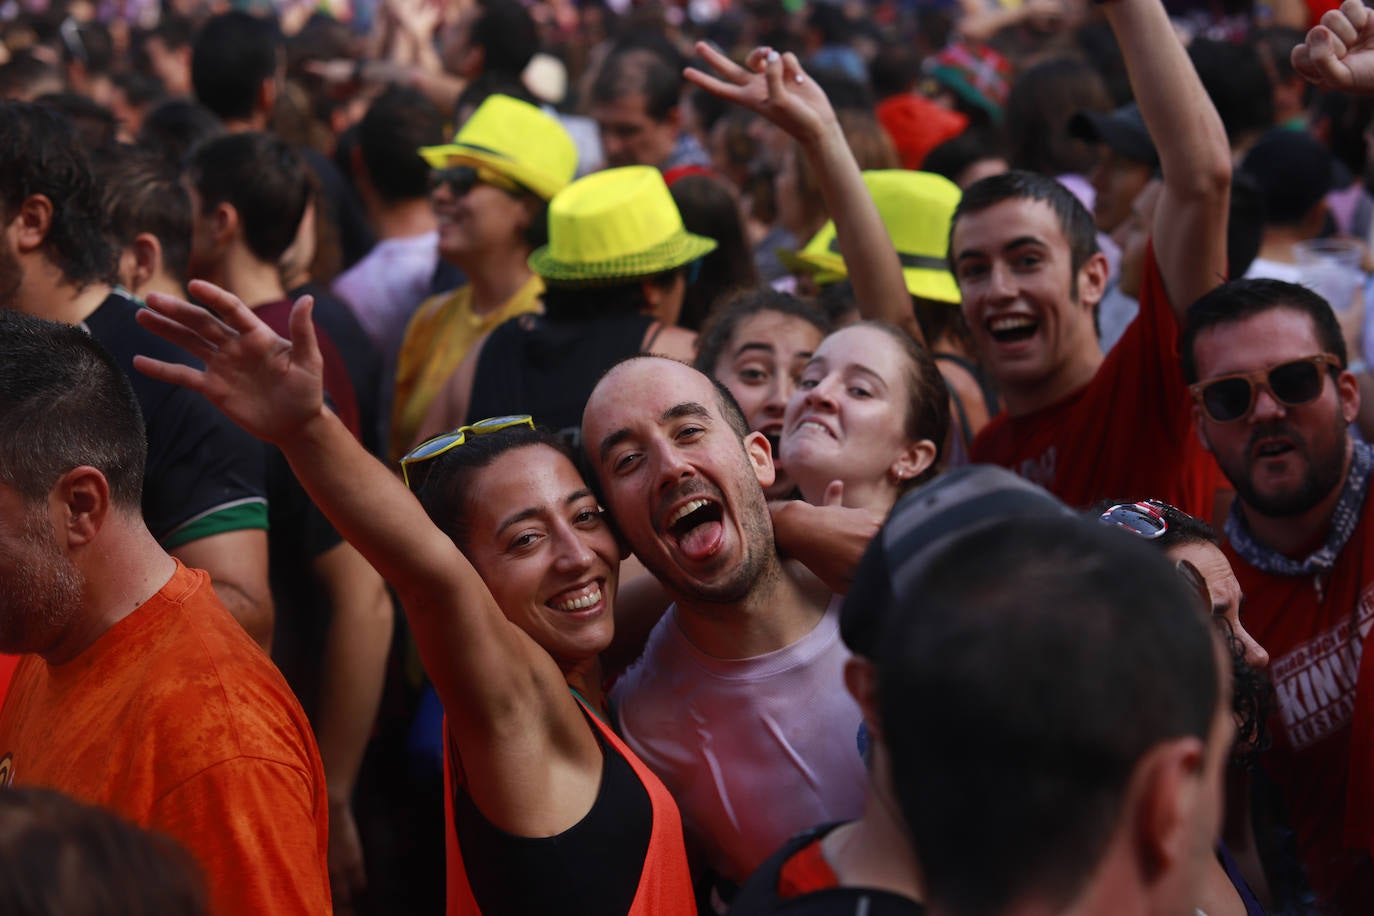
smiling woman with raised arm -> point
(509, 585)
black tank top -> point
(593, 867)
(547, 368)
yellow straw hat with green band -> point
(615, 226)
(514, 139)
(917, 209)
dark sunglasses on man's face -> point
(463, 178)
(1232, 397)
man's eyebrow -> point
(676, 412)
(1014, 243)
(685, 409)
(612, 440)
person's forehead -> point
(858, 336)
(775, 329)
(641, 389)
(1212, 564)
(992, 228)
(1256, 342)
(537, 478)
(628, 106)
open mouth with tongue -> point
(697, 528)
(1009, 329)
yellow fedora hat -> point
(514, 139)
(917, 209)
(613, 226)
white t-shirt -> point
(385, 287)
(754, 750)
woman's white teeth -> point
(580, 604)
(687, 510)
(817, 426)
(1011, 323)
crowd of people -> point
(757, 457)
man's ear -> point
(1167, 787)
(761, 457)
(674, 119)
(32, 223)
(266, 100)
(1198, 420)
(356, 164)
(80, 501)
(1348, 388)
(224, 223)
(861, 677)
(1092, 280)
(147, 252)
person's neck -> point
(875, 851)
(1277, 244)
(255, 282)
(161, 283)
(46, 293)
(120, 573)
(773, 615)
(403, 220)
(495, 277)
(1071, 376)
(585, 678)
(1291, 534)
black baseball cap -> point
(920, 525)
(1123, 131)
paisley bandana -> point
(1343, 522)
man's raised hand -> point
(269, 386)
(1339, 53)
(772, 84)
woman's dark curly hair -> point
(447, 480)
(1252, 695)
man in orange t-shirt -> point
(137, 690)
(1024, 253)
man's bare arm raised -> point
(1189, 234)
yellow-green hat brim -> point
(924, 282)
(681, 248)
(451, 154)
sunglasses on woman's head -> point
(1232, 397)
(1143, 518)
(433, 448)
(460, 179)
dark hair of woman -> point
(446, 483)
(709, 209)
